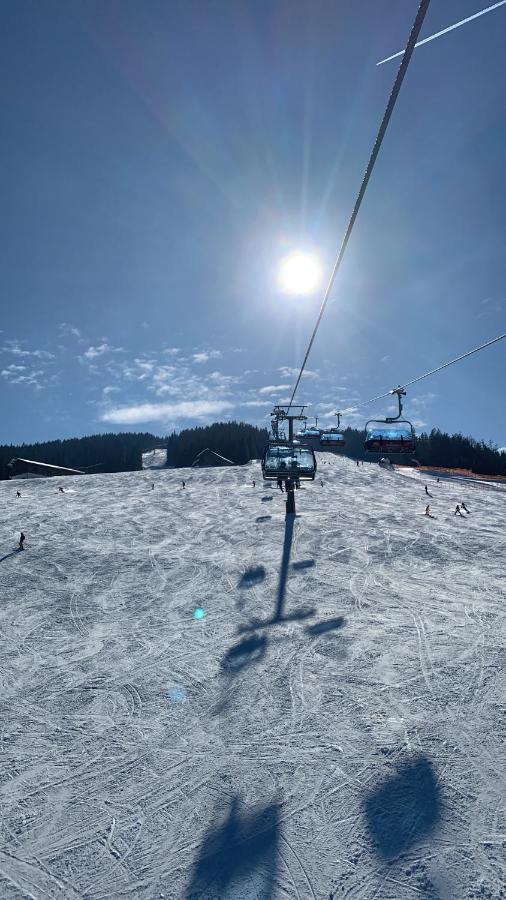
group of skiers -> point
(458, 508)
(22, 537)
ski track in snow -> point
(342, 739)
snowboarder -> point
(18, 494)
(463, 506)
(280, 484)
(21, 541)
(457, 511)
(427, 491)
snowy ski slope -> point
(333, 727)
(154, 459)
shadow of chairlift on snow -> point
(303, 564)
(325, 626)
(246, 653)
(252, 576)
(279, 613)
(404, 808)
(238, 857)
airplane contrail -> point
(446, 30)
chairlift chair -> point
(332, 438)
(288, 461)
(393, 434)
(312, 434)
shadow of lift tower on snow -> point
(279, 612)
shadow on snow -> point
(303, 564)
(253, 575)
(248, 652)
(325, 625)
(279, 613)
(405, 808)
(239, 857)
(12, 553)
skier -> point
(21, 541)
(254, 483)
(280, 484)
(358, 463)
(184, 483)
(463, 506)
(152, 485)
(458, 512)
(18, 494)
(61, 490)
(321, 482)
(427, 510)
(427, 491)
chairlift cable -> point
(426, 374)
(413, 37)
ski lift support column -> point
(280, 414)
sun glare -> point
(300, 273)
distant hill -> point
(440, 449)
(237, 441)
(97, 452)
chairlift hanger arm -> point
(400, 391)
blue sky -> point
(159, 160)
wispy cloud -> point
(16, 349)
(489, 307)
(159, 412)
(290, 372)
(23, 375)
(69, 330)
(206, 355)
(273, 388)
(93, 352)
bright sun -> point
(299, 273)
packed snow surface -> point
(203, 701)
(154, 459)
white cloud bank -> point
(156, 412)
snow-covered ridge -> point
(330, 727)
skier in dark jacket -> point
(457, 511)
(463, 506)
(18, 494)
(21, 541)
